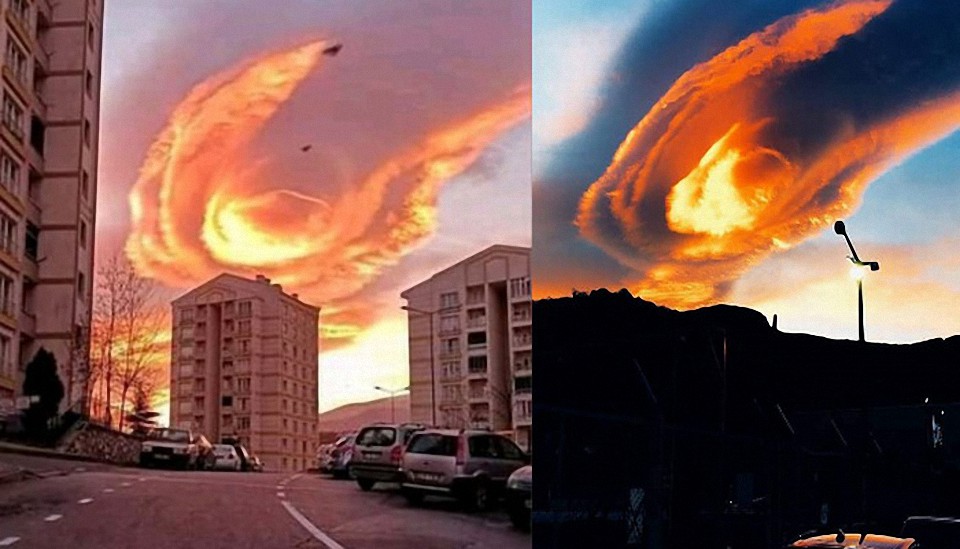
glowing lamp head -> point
(857, 272)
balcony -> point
(450, 352)
(451, 377)
(20, 26)
(523, 364)
(8, 313)
(477, 322)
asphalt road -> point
(97, 506)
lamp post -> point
(433, 381)
(857, 272)
(393, 393)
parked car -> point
(519, 497)
(378, 452)
(340, 456)
(255, 464)
(472, 466)
(227, 458)
(178, 448)
(323, 458)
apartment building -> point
(244, 365)
(48, 185)
(471, 360)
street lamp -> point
(858, 270)
(393, 393)
(433, 381)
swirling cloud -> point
(767, 143)
(204, 204)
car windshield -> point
(170, 435)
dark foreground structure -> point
(709, 428)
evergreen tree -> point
(42, 380)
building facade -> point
(470, 342)
(48, 185)
(244, 365)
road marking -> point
(80, 469)
(280, 494)
(85, 500)
(142, 479)
(314, 531)
(125, 484)
(108, 490)
(53, 518)
(8, 541)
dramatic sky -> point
(698, 152)
(419, 135)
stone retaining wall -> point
(104, 444)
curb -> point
(7, 448)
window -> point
(6, 295)
(433, 445)
(284, 383)
(520, 287)
(243, 404)
(8, 234)
(244, 346)
(186, 370)
(20, 9)
(13, 116)
(186, 351)
(477, 365)
(243, 423)
(88, 82)
(449, 300)
(90, 35)
(377, 436)
(17, 60)
(450, 346)
(86, 132)
(9, 173)
(81, 285)
(38, 136)
(284, 440)
(83, 234)
(85, 185)
(186, 333)
(284, 404)
(31, 242)
(245, 308)
(451, 369)
(226, 401)
(449, 324)
(507, 449)
(477, 339)
(244, 327)
(475, 295)
(482, 446)
(186, 315)
(523, 385)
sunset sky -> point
(420, 154)
(698, 155)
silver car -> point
(472, 466)
(378, 452)
(227, 458)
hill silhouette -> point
(351, 417)
(729, 431)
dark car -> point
(340, 457)
(519, 497)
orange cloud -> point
(203, 204)
(711, 181)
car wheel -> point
(478, 499)
(520, 519)
(365, 484)
(413, 497)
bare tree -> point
(126, 345)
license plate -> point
(430, 477)
(161, 456)
(528, 504)
(371, 455)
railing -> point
(8, 243)
(477, 322)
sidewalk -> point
(23, 449)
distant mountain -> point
(353, 416)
